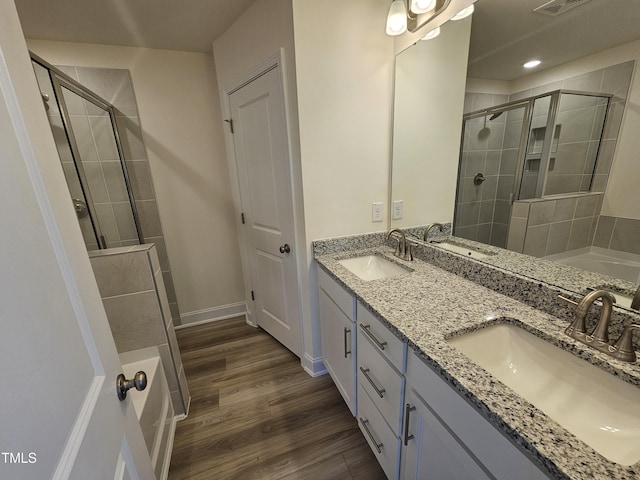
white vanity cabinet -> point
(446, 438)
(337, 322)
(381, 363)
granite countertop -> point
(428, 305)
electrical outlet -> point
(396, 213)
(377, 210)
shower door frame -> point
(61, 80)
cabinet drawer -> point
(381, 381)
(384, 444)
(381, 337)
(343, 299)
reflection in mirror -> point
(428, 105)
(561, 206)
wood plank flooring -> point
(256, 414)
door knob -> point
(285, 248)
(123, 385)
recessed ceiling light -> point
(532, 64)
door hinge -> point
(230, 122)
(242, 217)
(253, 297)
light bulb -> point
(464, 13)
(432, 34)
(397, 18)
(422, 6)
(531, 64)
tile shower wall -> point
(131, 285)
(552, 229)
(541, 227)
(614, 80)
(114, 85)
(490, 147)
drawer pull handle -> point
(365, 424)
(366, 329)
(407, 411)
(379, 391)
(346, 345)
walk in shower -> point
(515, 154)
(86, 136)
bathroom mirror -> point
(584, 46)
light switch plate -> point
(377, 210)
(396, 213)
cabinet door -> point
(430, 451)
(338, 347)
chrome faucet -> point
(404, 248)
(429, 227)
(599, 337)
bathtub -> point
(606, 262)
(153, 406)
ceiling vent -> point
(558, 7)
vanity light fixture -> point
(397, 18)
(464, 13)
(531, 64)
(432, 34)
(422, 6)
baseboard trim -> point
(313, 366)
(212, 314)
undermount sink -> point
(372, 267)
(466, 251)
(596, 407)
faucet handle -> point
(624, 345)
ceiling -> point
(507, 33)
(187, 25)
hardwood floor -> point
(256, 414)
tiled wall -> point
(614, 80)
(545, 227)
(622, 234)
(541, 227)
(114, 85)
(490, 147)
(133, 292)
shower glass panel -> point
(99, 161)
(546, 145)
(487, 176)
(87, 141)
(576, 143)
(533, 167)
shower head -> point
(495, 115)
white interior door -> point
(264, 174)
(59, 411)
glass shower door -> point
(487, 176)
(84, 131)
(100, 168)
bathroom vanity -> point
(424, 406)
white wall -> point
(622, 195)
(344, 66)
(180, 116)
